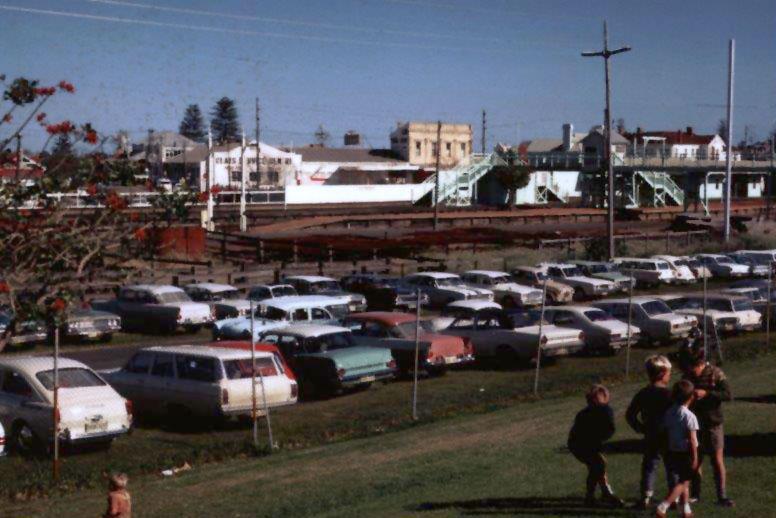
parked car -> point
(316, 285)
(245, 345)
(461, 309)
(606, 271)
(602, 332)
(2, 440)
(89, 409)
(647, 272)
(692, 304)
(505, 291)
(443, 288)
(281, 311)
(161, 309)
(396, 331)
(763, 257)
(683, 274)
(584, 287)
(698, 270)
(512, 337)
(188, 381)
(657, 322)
(760, 284)
(383, 292)
(722, 266)
(749, 319)
(557, 292)
(757, 267)
(327, 360)
(226, 301)
(90, 324)
(271, 291)
(21, 333)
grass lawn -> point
(483, 446)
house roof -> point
(348, 154)
(673, 137)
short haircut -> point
(595, 391)
(683, 391)
(118, 480)
(656, 366)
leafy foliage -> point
(512, 176)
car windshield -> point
(740, 259)
(596, 315)
(321, 286)
(329, 342)
(663, 266)
(541, 276)
(283, 291)
(694, 263)
(571, 271)
(720, 305)
(449, 281)
(227, 295)
(272, 313)
(527, 318)
(656, 307)
(682, 262)
(169, 297)
(73, 377)
(338, 310)
(390, 282)
(503, 279)
(724, 260)
(597, 268)
(243, 368)
(407, 329)
(742, 305)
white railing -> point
(144, 199)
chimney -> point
(688, 130)
(568, 130)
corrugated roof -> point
(329, 154)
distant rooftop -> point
(348, 154)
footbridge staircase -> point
(457, 187)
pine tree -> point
(224, 121)
(193, 125)
(62, 146)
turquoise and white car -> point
(327, 360)
(281, 311)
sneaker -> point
(613, 500)
(726, 502)
(694, 499)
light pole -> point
(729, 143)
(606, 54)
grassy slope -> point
(507, 462)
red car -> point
(246, 346)
(396, 331)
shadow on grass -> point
(535, 506)
(766, 399)
(742, 446)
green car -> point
(326, 359)
(606, 271)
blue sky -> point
(366, 64)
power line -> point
(243, 32)
(299, 23)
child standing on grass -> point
(593, 426)
(681, 427)
(119, 502)
(645, 415)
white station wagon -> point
(226, 300)
(657, 321)
(209, 382)
(505, 291)
(603, 333)
(584, 287)
(89, 409)
(442, 288)
(647, 272)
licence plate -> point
(96, 426)
(451, 359)
(367, 379)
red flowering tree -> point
(50, 249)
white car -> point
(317, 285)
(658, 322)
(647, 272)
(461, 309)
(199, 381)
(282, 311)
(2, 440)
(680, 266)
(271, 291)
(511, 338)
(160, 308)
(442, 288)
(602, 332)
(722, 266)
(505, 291)
(226, 300)
(584, 287)
(692, 304)
(749, 319)
(698, 270)
(89, 409)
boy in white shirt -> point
(681, 428)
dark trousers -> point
(650, 461)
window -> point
(299, 314)
(417, 148)
(163, 366)
(563, 318)
(259, 294)
(242, 369)
(140, 363)
(74, 377)
(462, 323)
(374, 329)
(463, 149)
(197, 368)
(320, 314)
(14, 383)
(449, 149)
(236, 176)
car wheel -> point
(579, 294)
(24, 440)
(508, 302)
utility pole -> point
(209, 185)
(606, 54)
(243, 173)
(484, 130)
(436, 179)
(729, 154)
(258, 146)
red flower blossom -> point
(141, 234)
(58, 305)
(46, 90)
(61, 128)
(4, 287)
(114, 201)
(134, 216)
(41, 117)
(203, 197)
(215, 190)
(91, 137)
(67, 87)
(7, 118)
(91, 189)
